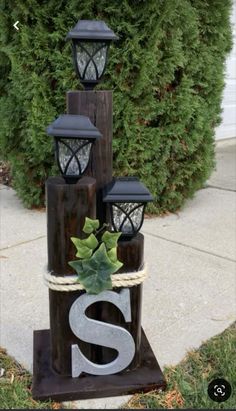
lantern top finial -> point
(91, 30)
(72, 125)
(126, 189)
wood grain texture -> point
(60, 303)
(49, 385)
(97, 105)
(67, 207)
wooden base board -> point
(49, 385)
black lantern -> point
(74, 136)
(127, 198)
(90, 42)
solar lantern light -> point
(74, 136)
(90, 43)
(127, 198)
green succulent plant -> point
(97, 257)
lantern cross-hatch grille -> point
(127, 198)
(91, 59)
(91, 40)
(73, 155)
(127, 217)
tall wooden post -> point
(97, 105)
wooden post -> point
(97, 105)
(67, 207)
(131, 254)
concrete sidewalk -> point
(188, 297)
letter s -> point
(98, 332)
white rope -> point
(70, 283)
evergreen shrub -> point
(167, 73)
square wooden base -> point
(49, 385)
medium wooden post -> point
(97, 105)
(67, 207)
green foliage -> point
(110, 239)
(98, 259)
(15, 387)
(85, 247)
(166, 70)
(90, 225)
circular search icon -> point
(219, 390)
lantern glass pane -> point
(91, 59)
(124, 213)
(73, 155)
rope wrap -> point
(70, 283)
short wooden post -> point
(131, 253)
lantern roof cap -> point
(91, 30)
(126, 189)
(73, 126)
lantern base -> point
(49, 385)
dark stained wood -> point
(61, 335)
(130, 253)
(67, 207)
(97, 105)
(49, 385)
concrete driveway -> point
(188, 297)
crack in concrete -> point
(221, 188)
(189, 246)
(22, 242)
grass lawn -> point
(15, 386)
(188, 381)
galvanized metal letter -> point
(100, 333)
